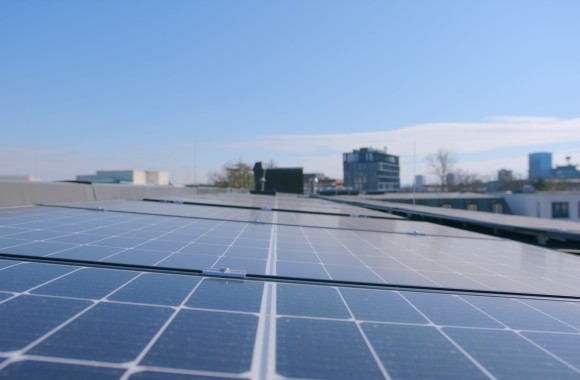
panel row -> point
(87, 322)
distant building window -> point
(472, 207)
(351, 157)
(560, 210)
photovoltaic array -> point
(116, 290)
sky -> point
(188, 86)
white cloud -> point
(477, 144)
(496, 133)
(323, 152)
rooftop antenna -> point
(414, 175)
(194, 158)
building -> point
(540, 165)
(566, 172)
(450, 200)
(277, 180)
(16, 178)
(135, 177)
(371, 170)
(505, 175)
(419, 182)
(318, 182)
(547, 205)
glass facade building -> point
(371, 170)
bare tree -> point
(441, 164)
(233, 174)
(465, 181)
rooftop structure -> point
(561, 232)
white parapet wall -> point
(20, 193)
(545, 205)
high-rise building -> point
(370, 170)
(505, 175)
(419, 181)
(540, 165)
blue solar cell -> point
(447, 309)
(8, 242)
(120, 242)
(7, 263)
(87, 253)
(301, 270)
(137, 257)
(150, 375)
(204, 249)
(261, 242)
(222, 239)
(507, 355)
(30, 370)
(325, 349)
(90, 283)
(565, 346)
(43, 248)
(25, 276)
(203, 340)
(419, 352)
(220, 294)
(249, 265)
(247, 252)
(509, 311)
(567, 312)
(339, 259)
(380, 305)
(352, 273)
(37, 235)
(27, 318)
(403, 277)
(310, 301)
(163, 245)
(299, 256)
(77, 238)
(10, 230)
(4, 296)
(189, 261)
(112, 332)
(157, 289)
(294, 246)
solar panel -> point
(464, 261)
(93, 294)
(155, 325)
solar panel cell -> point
(419, 352)
(24, 319)
(204, 340)
(32, 369)
(109, 332)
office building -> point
(540, 165)
(371, 170)
(135, 177)
(505, 175)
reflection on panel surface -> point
(161, 323)
(439, 260)
(95, 318)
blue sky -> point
(187, 86)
